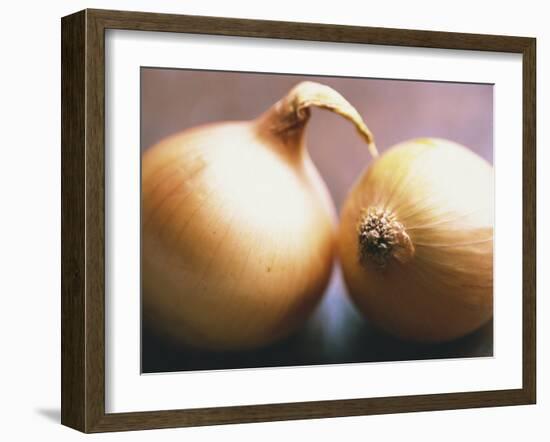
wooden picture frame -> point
(83, 220)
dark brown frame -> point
(83, 216)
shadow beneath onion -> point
(335, 334)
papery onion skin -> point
(238, 229)
(437, 285)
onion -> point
(238, 227)
(416, 241)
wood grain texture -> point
(95, 222)
(145, 21)
(73, 350)
(307, 410)
(83, 220)
(529, 220)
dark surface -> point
(83, 309)
(335, 334)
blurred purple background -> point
(395, 110)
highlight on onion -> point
(416, 241)
(238, 229)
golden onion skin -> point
(238, 231)
(437, 282)
(237, 245)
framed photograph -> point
(269, 220)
